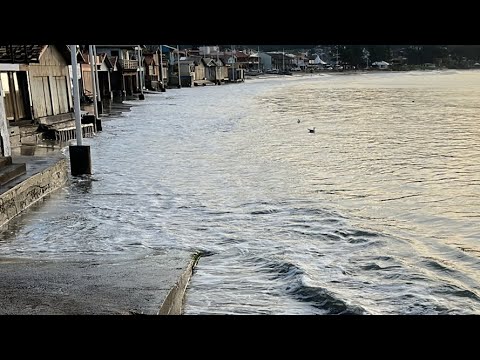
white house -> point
(301, 61)
(315, 60)
(381, 64)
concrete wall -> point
(4, 132)
(173, 303)
(20, 197)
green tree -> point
(352, 55)
(379, 52)
(464, 51)
(414, 54)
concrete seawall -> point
(173, 303)
(44, 175)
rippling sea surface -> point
(377, 212)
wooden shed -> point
(210, 73)
(199, 70)
(221, 70)
(215, 70)
(37, 89)
(104, 67)
(43, 79)
(50, 83)
(152, 71)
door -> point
(42, 102)
(62, 94)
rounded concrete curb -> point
(173, 303)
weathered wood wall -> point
(87, 79)
(222, 72)
(4, 131)
(210, 72)
(50, 84)
(199, 72)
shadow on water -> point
(82, 184)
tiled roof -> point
(240, 54)
(20, 54)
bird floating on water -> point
(312, 130)
(298, 121)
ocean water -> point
(377, 212)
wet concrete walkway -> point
(76, 285)
(150, 286)
(81, 286)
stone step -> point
(28, 130)
(5, 160)
(53, 119)
(31, 139)
(12, 171)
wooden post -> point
(161, 68)
(178, 62)
(99, 98)
(140, 80)
(94, 85)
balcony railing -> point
(129, 64)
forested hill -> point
(416, 54)
(279, 47)
(468, 51)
